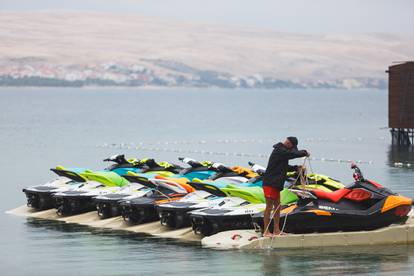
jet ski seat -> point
(109, 179)
(183, 182)
(332, 196)
(248, 173)
(352, 192)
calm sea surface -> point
(41, 128)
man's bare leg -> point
(276, 217)
(266, 217)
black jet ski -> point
(108, 205)
(142, 209)
(364, 205)
(40, 196)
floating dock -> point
(239, 239)
(249, 239)
(92, 219)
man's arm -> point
(291, 154)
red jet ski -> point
(364, 205)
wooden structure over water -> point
(401, 103)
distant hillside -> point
(75, 48)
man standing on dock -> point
(275, 177)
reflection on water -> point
(400, 170)
(340, 261)
(71, 228)
(401, 154)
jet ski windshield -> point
(131, 177)
(121, 162)
(71, 174)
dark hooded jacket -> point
(278, 166)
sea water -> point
(44, 127)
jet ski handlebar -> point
(257, 168)
(221, 168)
(358, 176)
(191, 162)
(118, 158)
(150, 163)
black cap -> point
(294, 141)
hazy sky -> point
(325, 16)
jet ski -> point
(165, 190)
(80, 199)
(142, 209)
(40, 196)
(175, 214)
(108, 205)
(219, 218)
(364, 205)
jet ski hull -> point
(176, 217)
(41, 198)
(73, 204)
(137, 213)
(210, 224)
(109, 206)
(143, 209)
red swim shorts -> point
(271, 193)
